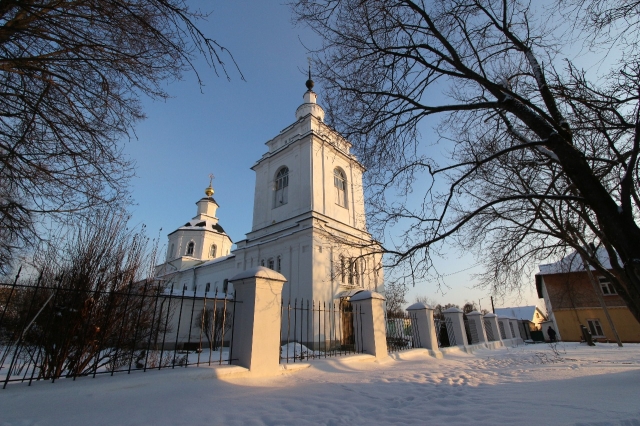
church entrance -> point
(347, 340)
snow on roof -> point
(197, 224)
(573, 263)
(259, 272)
(518, 312)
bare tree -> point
(539, 157)
(71, 77)
(91, 307)
(394, 293)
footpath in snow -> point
(525, 385)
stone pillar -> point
(492, 319)
(455, 315)
(256, 342)
(479, 327)
(423, 315)
(516, 329)
(368, 323)
(507, 330)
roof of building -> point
(518, 312)
(573, 263)
(195, 224)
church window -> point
(342, 269)
(270, 263)
(225, 285)
(195, 287)
(262, 262)
(350, 272)
(340, 182)
(184, 287)
(279, 264)
(173, 251)
(207, 288)
(281, 187)
(212, 251)
(190, 248)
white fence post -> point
(476, 327)
(455, 315)
(368, 323)
(256, 341)
(423, 315)
(491, 321)
(516, 330)
(504, 326)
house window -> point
(190, 248)
(281, 186)
(212, 251)
(340, 182)
(225, 285)
(279, 264)
(595, 328)
(270, 263)
(606, 286)
(207, 288)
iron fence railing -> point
(48, 333)
(444, 332)
(402, 331)
(312, 330)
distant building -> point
(571, 301)
(532, 313)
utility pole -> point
(493, 308)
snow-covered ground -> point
(525, 385)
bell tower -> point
(308, 168)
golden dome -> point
(209, 190)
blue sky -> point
(222, 128)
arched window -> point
(262, 262)
(172, 254)
(207, 288)
(190, 248)
(340, 182)
(212, 251)
(270, 264)
(225, 286)
(281, 185)
(279, 264)
(343, 269)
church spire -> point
(309, 82)
(310, 106)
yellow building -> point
(571, 301)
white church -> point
(308, 222)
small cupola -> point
(310, 106)
(207, 206)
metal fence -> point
(402, 331)
(312, 330)
(47, 333)
(444, 332)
